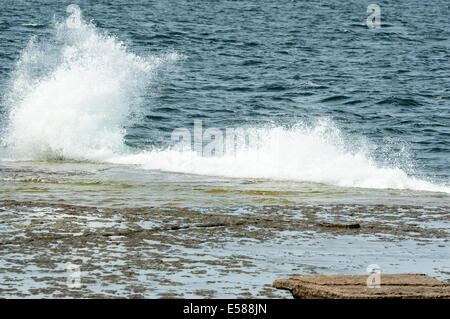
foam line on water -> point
(312, 154)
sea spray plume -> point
(72, 95)
(74, 20)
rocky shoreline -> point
(169, 252)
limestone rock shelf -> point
(355, 286)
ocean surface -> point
(269, 109)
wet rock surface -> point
(170, 252)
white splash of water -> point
(313, 154)
(72, 95)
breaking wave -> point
(72, 96)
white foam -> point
(313, 154)
(71, 96)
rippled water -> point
(334, 112)
(256, 64)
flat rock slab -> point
(355, 286)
